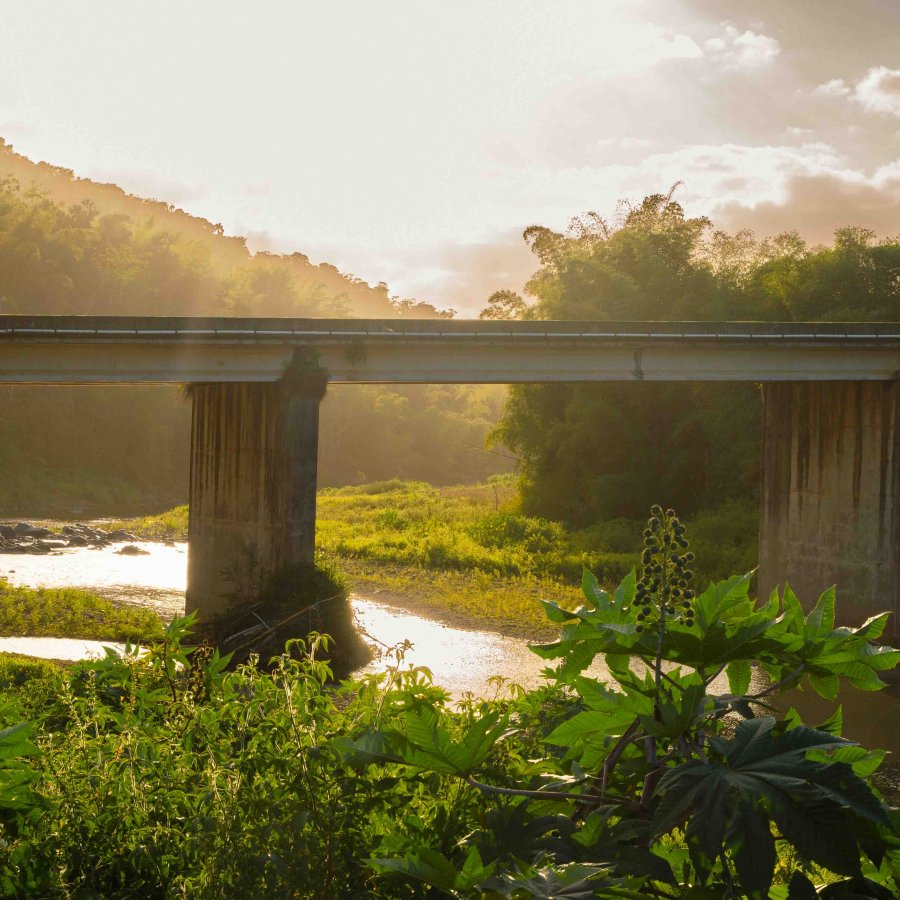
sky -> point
(413, 142)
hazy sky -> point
(411, 142)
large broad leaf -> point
(765, 775)
(574, 882)
(820, 622)
(426, 744)
(432, 868)
(722, 600)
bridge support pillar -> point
(830, 494)
(254, 451)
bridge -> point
(831, 430)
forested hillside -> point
(71, 246)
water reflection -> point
(70, 649)
(460, 661)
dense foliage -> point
(600, 443)
(167, 775)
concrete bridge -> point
(831, 429)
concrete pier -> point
(254, 455)
(830, 495)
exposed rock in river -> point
(131, 550)
(23, 537)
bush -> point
(502, 530)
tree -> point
(593, 451)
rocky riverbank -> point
(26, 537)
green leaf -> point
(721, 598)
(801, 888)
(425, 865)
(834, 724)
(820, 622)
(555, 613)
(472, 871)
(592, 726)
(593, 593)
(825, 685)
(753, 845)
(863, 762)
(739, 672)
(824, 809)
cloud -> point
(817, 205)
(736, 49)
(715, 175)
(837, 87)
(877, 91)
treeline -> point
(71, 246)
(591, 452)
(587, 453)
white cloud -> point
(837, 87)
(879, 91)
(737, 49)
(719, 174)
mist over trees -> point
(594, 451)
(71, 246)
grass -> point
(72, 612)
(171, 525)
(469, 528)
(469, 553)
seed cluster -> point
(664, 588)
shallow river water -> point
(460, 660)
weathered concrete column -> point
(254, 452)
(830, 494)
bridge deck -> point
(114, 349)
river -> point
(460, 660)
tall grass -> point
(72, 612)
(171, 525)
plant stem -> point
(778, 684)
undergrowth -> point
(167, 775)
(72, 612)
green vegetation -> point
(269, 609)
(72, 612)
(477, 529)
(17, 670)
(466, 552)
(591, 452)
(142, 777)
(171, 525)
